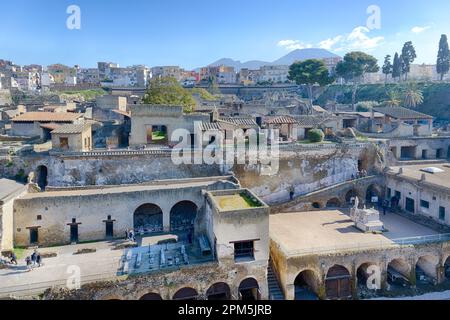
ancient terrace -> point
(212, 244)
(322, 254)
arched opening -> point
(187, 294)
(306, 286)
(148, 218)
(219, 291)
(249, 290)
(337, 283)
(398, 273)
(42, 174)
(350, 197)
(373, 194)
(182, 216)
(368, 277)
(151, 296)
(426, 270)
(334, 203)
(316, 205)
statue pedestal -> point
(367, 220)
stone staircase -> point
(275, 292)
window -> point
(389, 193)
(398, 195)
(424, 204)
(442, 213)
(244, 250)
(39, 217)
(64, 143)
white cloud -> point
(358, 39)
(418, 29)
(293, 44)
(329, 43)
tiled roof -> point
(50, 126)
(402, 113)
(70, 129)
(280, 120)
(210, 126)
(239, 122)
(47, 117)
(311, 121)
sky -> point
(195, 33)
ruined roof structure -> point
(402, 113)
(71, 129)
(280, 120)
(47, 117)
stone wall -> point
(289, 267)
(310, 170)
(91, 207)
(198, 277)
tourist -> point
(126, 234)
(13, 258)
(33, 258)
(38, 259)
(28, 263)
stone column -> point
(166, 219)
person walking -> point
(33, 258)
(38, 259)
(13, 258)
(28, 263)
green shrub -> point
(364, 106)
(316, 135)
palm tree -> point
(393, 99)
(412, 96)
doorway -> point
(74, 233)
(409, 205)
(109, 229)
(34, 236)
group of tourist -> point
(34, 260)
(360, 174)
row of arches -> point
(248, 291)
(338, 279)
(372, 191)
(149, 217)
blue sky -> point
(196, 32)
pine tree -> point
(387, 67)
(408, 57)
(396, 67)
(443, 59)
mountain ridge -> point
(288, 59)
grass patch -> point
(252, 202)
(158, 136)
(20, 253)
